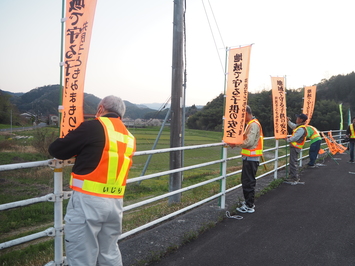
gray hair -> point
(113, 104)
(248, 110)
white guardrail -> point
(59, 195)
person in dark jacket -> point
(103, 149)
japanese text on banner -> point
(79, 21)
(279, 107)
(236, 94)
(309, 101)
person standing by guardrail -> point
(297, 140)
(103, 149)
(350, 134)
(316, 139)
(252, 150)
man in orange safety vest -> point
(103, 149)
(252, 150)
(297, 140)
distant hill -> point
(155, 106)
(158, 106)
(14, 93)
(45, 100)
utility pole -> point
(11, 121)
(176, 98)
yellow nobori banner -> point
(309, 101)
(279, 107)
(236, 94)
(78, 28)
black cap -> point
(303, 117)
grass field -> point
(28, 183)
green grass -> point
(28, 183)
(19, 157)
(33, 255)
(3, 126)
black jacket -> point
(86, 143)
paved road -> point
(23, 128)
(310, 224)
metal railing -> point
(59, 195)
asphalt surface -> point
(304, 224)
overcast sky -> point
(131, 46)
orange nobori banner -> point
(332, 146)
(279, 107)
(78, 28)
(341, 148)
(309, 101)
(236, 94)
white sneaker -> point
(245, 209)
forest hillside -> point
(330, 93)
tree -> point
(326, 115)
(191, 110)
(210, 117)
(330, 93)
(261, 106)
(7, 110)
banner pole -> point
(286, 161)
(223, 165)
(286, 134)
(225, 88)
(61, 65)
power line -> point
(161, 108)
(214, 40)
(215, 21)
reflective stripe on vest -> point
(109, 177)
(352, 132)
(299, 145)
(315, 133)
(258, 150)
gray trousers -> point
(294, 153)
(92, 227)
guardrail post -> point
(300, 158)
(276, 158)
(58, 215)
(224, 179)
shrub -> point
(42, 138)
(7, 144)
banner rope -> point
(237, 217)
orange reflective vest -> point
(313, 134)
(300, 144)
(109, 177)
(258, 150)
(352, 132)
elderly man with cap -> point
(297, 140)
